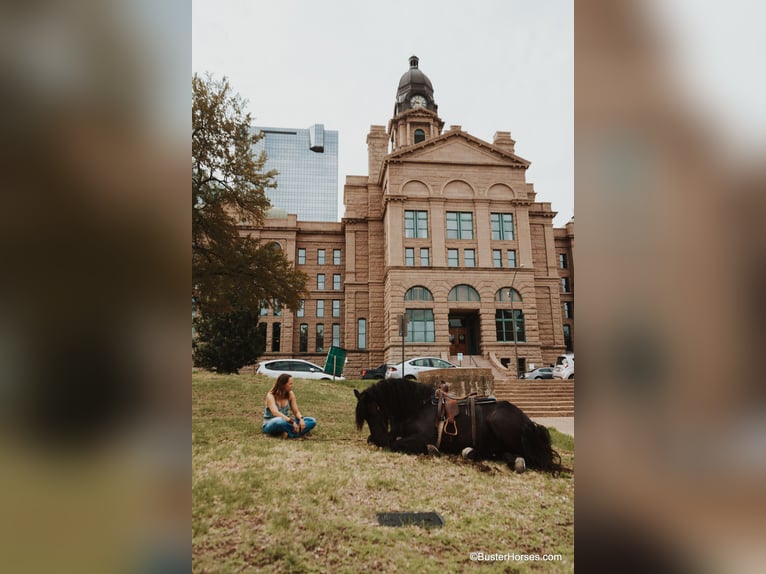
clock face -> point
(418, 102)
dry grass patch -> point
(268, 505)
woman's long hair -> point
(278, 390)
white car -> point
(298, 368)
(564, 368)
(411, 367)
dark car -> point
(376, 373)
(541, 373)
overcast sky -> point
(495, 65)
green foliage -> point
(232, 272)
(226, 341)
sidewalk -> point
(561, 424)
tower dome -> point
(414, 83)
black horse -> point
(402, 416)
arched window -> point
(506, 322)
(418, 293)
(421, 326)
(463, 293)
(509, 323)
(506, 295)
(361, 333)
(420, 136)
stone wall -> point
(463, 381)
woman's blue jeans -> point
(278, 425)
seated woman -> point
(280, 400)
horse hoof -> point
(519, 465)
(467, 453)
(432, 450)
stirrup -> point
(454, 428)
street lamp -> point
(513, 323)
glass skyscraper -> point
(307, 162)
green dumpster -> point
(336, 358)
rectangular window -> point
(568, 310)
(511, 258)
(320, 338)
(301, 256)
(568, 337)
(320, 308)
(421, 327)
(336, 308)
(361, 333)
(277, 308)
(409, 256)
(504, 324)
(320, 256)
(336, 256)
(304, 339)
(416, 224)
(563, 260)
(336, 334)
(264, 308)
(320, 282)
(452, 258)
(497, 258)
(276, 337)
(469, 255)
(336, 281)
(502, 226)
(459, 225)
(301, 310)
(425, 257)
(565, 284)
(262, 338)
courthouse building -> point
(444, 230)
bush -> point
(226, 342)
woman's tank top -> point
(285, 410)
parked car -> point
(564, 368)
(412, 367)
(541, 373)
(298, 368)
(378, 372)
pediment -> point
(457, 148)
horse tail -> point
(537, 449)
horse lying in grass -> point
(403, 415)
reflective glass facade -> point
(307, 162)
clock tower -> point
(415, 118)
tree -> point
(232, 273)
(227, 341)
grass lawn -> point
(263, 504)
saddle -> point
(448, 407)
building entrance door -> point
(462, 335)
(458, 337)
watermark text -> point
(512, 557)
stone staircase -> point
(480, 362)
(538, 398)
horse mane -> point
(400, 398)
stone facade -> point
(441, 211)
